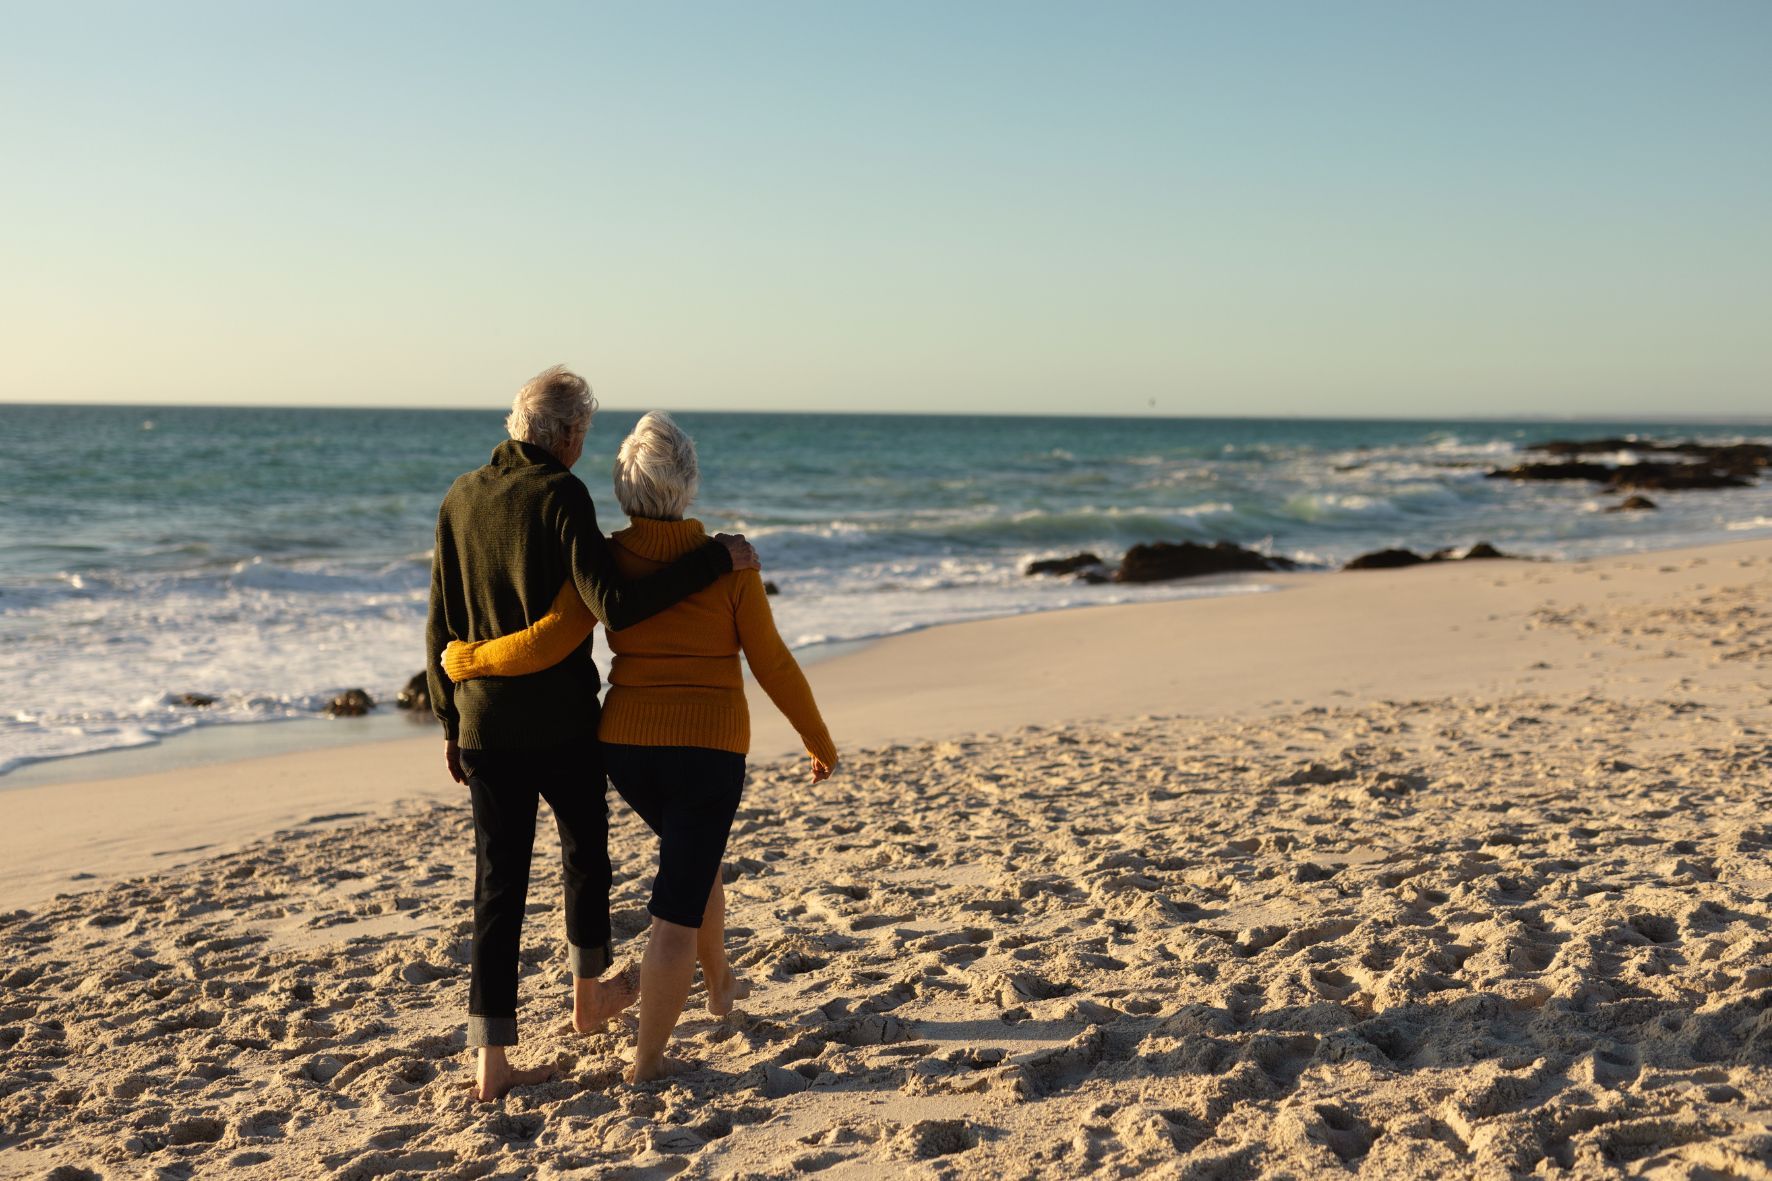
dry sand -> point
(1461, 871)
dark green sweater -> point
(508, 535)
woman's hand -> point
(452, 759)
(457, 660)
(820, 772)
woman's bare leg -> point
(665, 975)
(710, 948)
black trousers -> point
(688, 795)
(505, 785)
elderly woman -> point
(675, 728)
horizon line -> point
(1713, 418)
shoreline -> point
(207, 745)
(114, 644)
(1367, 635)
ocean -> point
(272, 557)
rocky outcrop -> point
(1633, 504)
(1387, 559)
(1075, 564)
(1673, 477)
(1606, 446)
(1648, 474)
(1161, 561)
(1600, 472)
(1392, 559)
(1694, 465)
(769, 588)
(352, 703)
(1740, 458)
(416, 694)
(194, 700)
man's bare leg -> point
(496, 1076)
(710, 948)
(597, 999)
(665, 976)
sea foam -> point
(292, 561)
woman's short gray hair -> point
(551, 409)
(656, 474)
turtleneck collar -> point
(662, 541)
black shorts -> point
(688, 795)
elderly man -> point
(508, 535)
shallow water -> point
(271, 557)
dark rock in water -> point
(1633, 504)
(195, 700)
(1695, 465)
(1162, 560)
(1648, 474)
(1674, 476)
(1555, 471)
(1734, 457)
(1074, 564)
(1597, 446)
(769, 588)
(352, 703)
(1389, 559)
(1740, 459)
(416, 694)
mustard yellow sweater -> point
(676, 679)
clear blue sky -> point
(1265, 208)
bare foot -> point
(663, 1067)
(594, 1002)
(495, 1082)
(723, 991)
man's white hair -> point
(551, 409)
(656, 474)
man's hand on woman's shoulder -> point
(743, 556)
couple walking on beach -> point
(520, 576)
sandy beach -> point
(1456, 871)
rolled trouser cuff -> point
(491, 1031)
(588, 962)
(680, 918)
